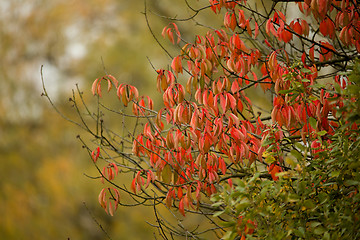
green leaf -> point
(239, 182)
(237, 193)
(300, 146)
(309, 204)
(293, 198)
(290, 161)
(351, 182)
(335, 173)
(296, 154)
(337, 88)
(256, 176)
(300, 232)
(215, 198)
(267, 142)
(244, 203)
(286, 91)
(218, 213)
(312, 122)
(217, 204)
(301, 187)
(323, 197)
(229, 235)
(326, 236)
(316, 85)
(315, 224)
(227, 224)
(321, 133)
(319, 230)
(305, 70)
(270, 159)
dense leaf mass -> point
(292, 169)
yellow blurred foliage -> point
(43, 189)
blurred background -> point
(43, 188)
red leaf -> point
(233, 22)
(233, 120)
(102, 197)
(179, 193)
(230, 182)
(222, 165)
(285, 35)
(148, 179)
(311, 53)
(237, 135)
(323, 27)
(267, 43)
(357, 45)
(181, 207)
(231, 101)
(305, 27)
(111, 209)
(168, 198)
(95, 156)
(256, 30)
(281, 15)
(94, 87)
(303, 58)
(133, 185)
(205, 143)
(273, 170)
(223, 102)
(170, 35)
(297, 28)
(213, 6)
(177, 32)
(331, 28)
(176, 65)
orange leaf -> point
(94, 87)
(273, 170)
(311, 53)
(213, 6)
(231, 100)
(102, 197)
(111, 209)
(95, 156)
(222, 165)
(296, 27)
(256, 30)
(181, 207)
(168, 198)
(170, 35)
(176, 65)
(177, 32)
(357, 45)
(133, 185)
(223, 103)
(323, 27)
(285, 35)
(305, 27)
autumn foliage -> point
(289, 171)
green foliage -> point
(319, 199)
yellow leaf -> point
(166, 174)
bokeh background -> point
(44, 192)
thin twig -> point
(97, 223)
